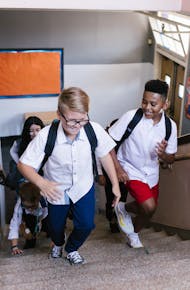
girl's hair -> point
(73, 99)
(25, 136)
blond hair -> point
(73, 99)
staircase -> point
(164, 263)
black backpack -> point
(136, 119)
(52, 135)
(14, 176)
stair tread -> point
(111, 263)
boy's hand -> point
(161, 147)
(50, 189)
(115, 201)
(15, 251)
(117, 195)
(122, 175)
(101, 180)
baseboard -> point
(182, 233)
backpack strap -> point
(52, 135)
(168, 127)
(135, 120)
(43, 202)
(132, 124)
(93, 143)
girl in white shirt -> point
(31, 128)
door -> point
(173, 74)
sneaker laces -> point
(75, 257)
(56, 250)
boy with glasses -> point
(68, 180)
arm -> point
(48, 188)
(101, 178)
(122, 175)
(15, 250)
(108, 165)
(168, 158)
(14, 229)
(14, 152)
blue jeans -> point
(83, 221)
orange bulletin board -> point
(31, 73)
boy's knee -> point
(149, 209)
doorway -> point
(173, 74)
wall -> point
(105, 53)
(113, 89)
(87, 37)
(174, 5)
(174, 200)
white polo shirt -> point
(70, 163)
(137, 154)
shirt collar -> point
(151, 121)
(62, 138)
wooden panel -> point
(46, 117)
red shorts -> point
(141, 191)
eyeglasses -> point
(30, 206)
(74, 122)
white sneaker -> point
(133, 241)
(75, 258)
(56, 252)
(124, 219)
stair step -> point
(62, 274)
(111, 264)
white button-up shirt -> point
(40, 212)
(137, 154)
(70, 163)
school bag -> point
(52, 135)
(14, 176)
(136, 119)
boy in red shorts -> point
(137, 160)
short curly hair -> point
(157, 86)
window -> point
(181, 91)
(171, 32)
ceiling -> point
(100, 5)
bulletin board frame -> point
(31, 73)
